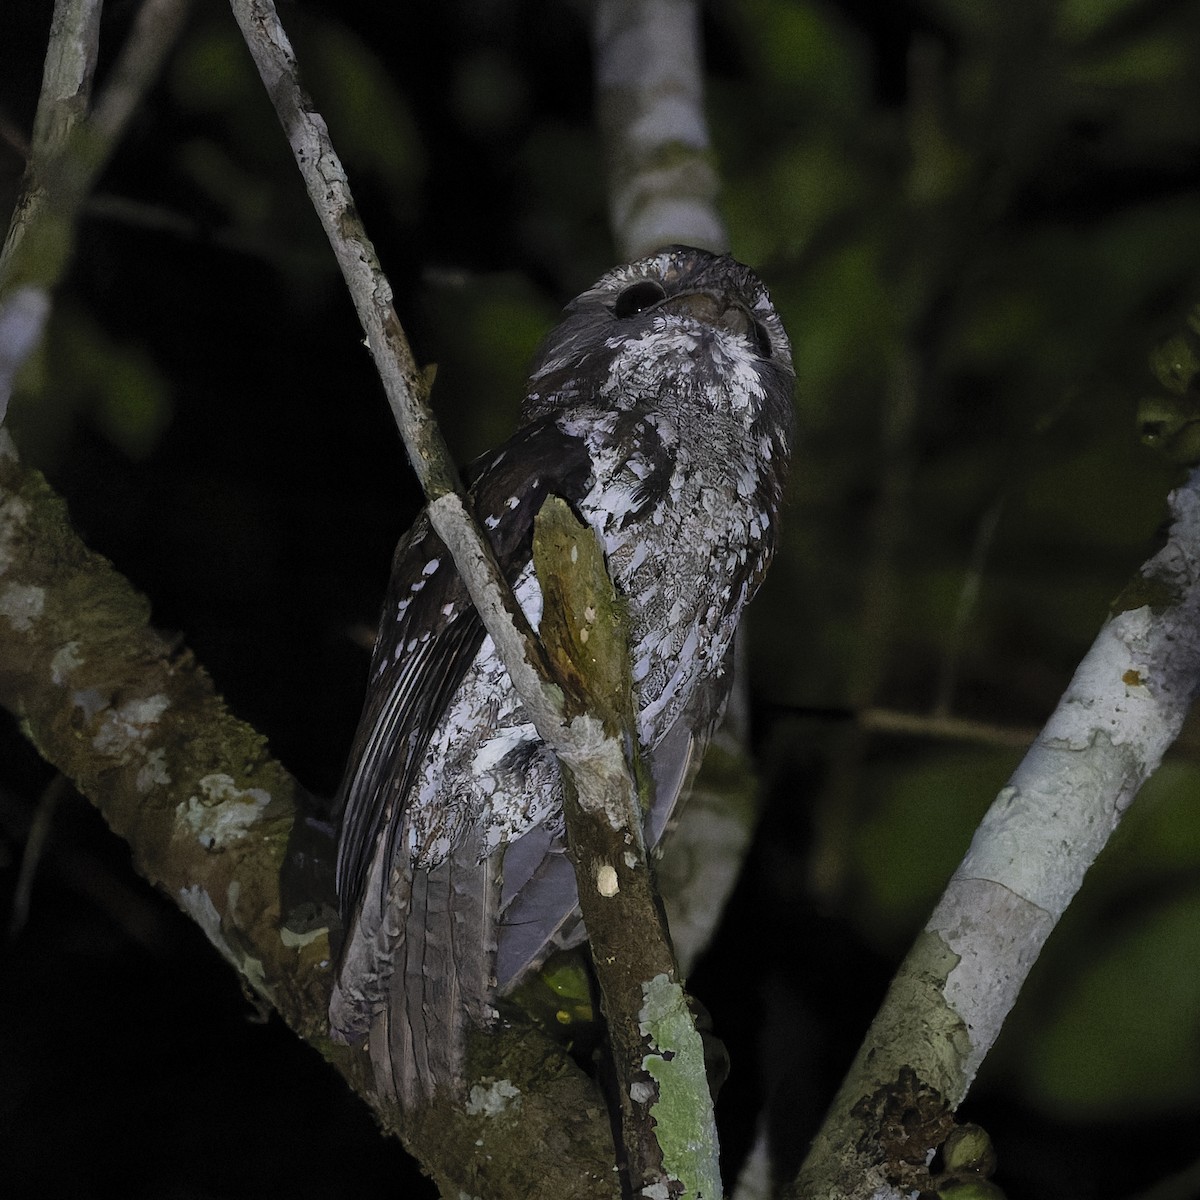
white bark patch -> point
(595, 756)
(66, 660)
(606, 881)
(21, 604)
(294, 940)
(14, 513)
(1110, 694)
(223, 813)
(493, 1099)
(197, 903)
(153, 772)
(124, 730)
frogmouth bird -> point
(660, 409)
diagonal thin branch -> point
(586, 749)
(406, 387)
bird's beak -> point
(718, 312)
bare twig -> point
(968, 597)
(35, 846)
(141, 918)
(406, 387)
(69, 149)
(945, 728)
(836, 806)
(1125, 705)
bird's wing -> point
(429, 634)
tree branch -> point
(66, 76)
(406, 387)
(650, 107)
(590, 754)
(1123, 708)
(70, 150)
(208, 814)
(666, 1116)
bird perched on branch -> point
(660, 409)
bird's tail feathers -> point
(418, 974)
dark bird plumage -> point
(660, 408)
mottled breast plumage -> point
(660, 408)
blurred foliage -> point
(80, 373)
(978, 220)
(1108, 1027)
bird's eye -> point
(761, 339)
(636, 297)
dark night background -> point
(977, 221)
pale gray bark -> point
(650, 105)
(1124, 707)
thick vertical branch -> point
(666, 1112)
(650, 106)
